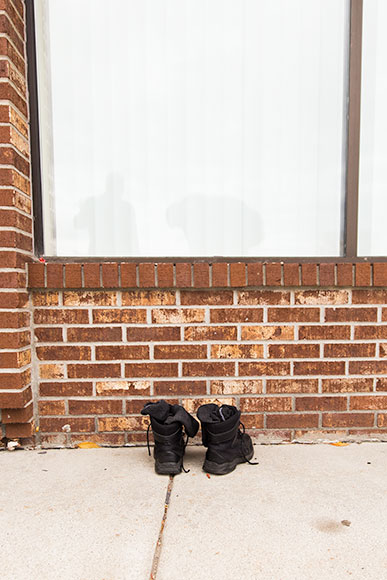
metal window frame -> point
(352, 133)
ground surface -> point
(305, 512)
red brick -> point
(293, 421)
(17, 415)
(264, 368)
(321, 403)
(12, 280)
(368, 367)
(238, 274)
(381, 384)
(10, 30)
(371, 332)
(178, 315)
(95, 370)
(110, 275)
(319, 297)
(349, 350)
(119, 316)
(165, 275)
(54, 275)
(183, 275)
(15, 380)
(220, 274)
(200, 333)
(179, 388)
(309, 274)
(202, 297)
(344, 274)
(209, 369)
(292, 385)
(89, 298)
(121, 388)
(63, 352)
(36, 274)
(153, 334)
(50, 316)
(369, 296)
(201, 272)
(66, 389)
(77, 424)
(148, 298)
(15, 360)
(224, 315)
(95, 334)
(252, 421)
(122, 352)
(100, 407)
(236, 386)
(13, 299)
(294, 314)
(52, 408)
(237, 351)
(363, 274)
(319, 368)
(122, 424)
(294, 351)
(91, 274)
(181, 351)
(14, 319)
(49, 334)
(347, 385)
(15, 339)
(145, 370)
(128, 275)
(351, 314)
(73, 276)
(368, 403)
(267, 332)
(10, 218)
(380, 274)
(18, 430)
(327, 274)
(254, 274)
(273, 274)
(324, 332)
(146, 273)
(15, 399)
(12, 259)
(265, 404)
(348, 420)
(261, 297)
(7, 49)
(291, 274)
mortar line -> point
(157, 552)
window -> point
(205, 128)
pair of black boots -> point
(226, 444)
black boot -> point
(227, 446)
(167, 423)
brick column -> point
(16, 242)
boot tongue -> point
(167, 414)
(211, 413)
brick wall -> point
(303, 363)
(15, 227)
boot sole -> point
(224, 468)
(168, 468)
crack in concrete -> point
(157, 552)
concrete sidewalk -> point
(305, 512)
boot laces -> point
(185, 443)
(241, 433)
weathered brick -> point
(155, 334)
(51, 371)
(18, 359)
(294, 351)
(347, 385)
(181, 351)
(122, 423)
(351, 314)
(293, 314)
(210, 333)
(53, 316)
(368, 403)
(317, 297)
(202, 297)
(95, 334)
(82, 298)
(292, 385)
(103, 439)
(381, 384)
(178, 315)
(237, 351)
(263, 297)
(134, 370)
(319, 368)
(48, 298)
(15, 339)
(208, 369)
(264, 368)
(52, 408)
(95, 370)
(371, 332)
(134, 406)
(320, 403)
(265, 404)
(349, 350)
(253, 421)
(347, 419)
(119, 316)
(368, 367)
(179, 388)
(63, 352)
(122, 352)
(100, 407)
(50, 334)
(292, 421)
(236, 387)
(148, 298)
(225, 315)
(324, 332)
(267, 333)
(382, 420)
(369, 296)
(66, 389)
(192, 405)
(14, 319)
(122, 388)
(56, 424)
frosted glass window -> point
(193, 127)
(373, 132)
